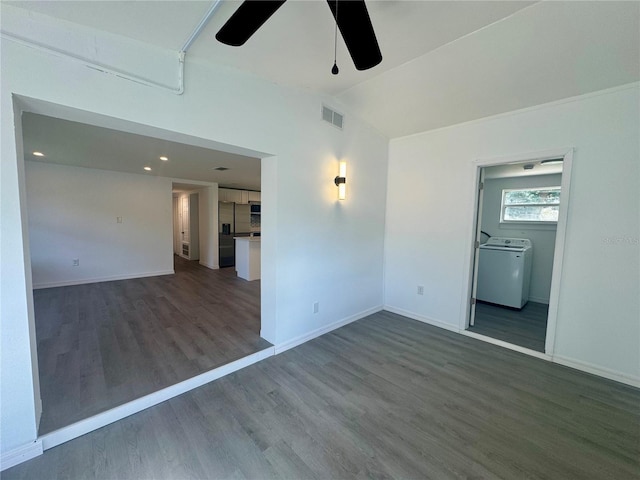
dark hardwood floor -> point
(104, 344)
(383, 397)
(526, 327)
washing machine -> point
(504, 271)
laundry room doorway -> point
(519, 227)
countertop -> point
(248, 239)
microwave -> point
(255, 208)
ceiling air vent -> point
(332, 117)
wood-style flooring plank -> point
(103, 344)
(383, 397)
(526, 327)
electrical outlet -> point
(316, 307)
(420, 290)
(76, 262)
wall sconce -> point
(341, 181)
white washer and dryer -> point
(504, 271)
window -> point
(539, 205)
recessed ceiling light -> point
(164, 159)
(148, 169)
(38, 154)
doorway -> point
(519, 225)
(166, 380)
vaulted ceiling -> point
(444, 62)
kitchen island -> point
(248, 257)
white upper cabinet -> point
(254, 196)
(229, 195)
(242, 197)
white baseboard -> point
(212, 266)
(422, 318)
(567, 362)
(20, 454)
(596, 370)
(87, 425)
(294, 342)
(83, 281)
(510, 346)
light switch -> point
(119, 219)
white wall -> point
(73, 215)
(542, 237)
(208, 222)
(431, 177)
(313, 248)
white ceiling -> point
(71, 143)
(295, 46)
(444, 62)
(511, 170)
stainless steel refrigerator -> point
(234, 220)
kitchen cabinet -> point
(242, 197)
(248, 257)
(229, 195)
(254, 196)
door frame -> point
(556, 276)
(268, 317)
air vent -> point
(221, 169)
(334, 118)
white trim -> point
(423, 319)
(21, 454)
(510, 346)
(211, 266)
(558, 254)
(84, 281)
(294, 342)
(596, 370)
(87, 425)
(38, 411)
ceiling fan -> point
(351, 16)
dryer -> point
(504, 271)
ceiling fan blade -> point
(246, 20)
(357, 31)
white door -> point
(476, 251)
(177, 227)
(184, 220)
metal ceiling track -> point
(119, 73)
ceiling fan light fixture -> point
(354, 24)
(335, 68)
